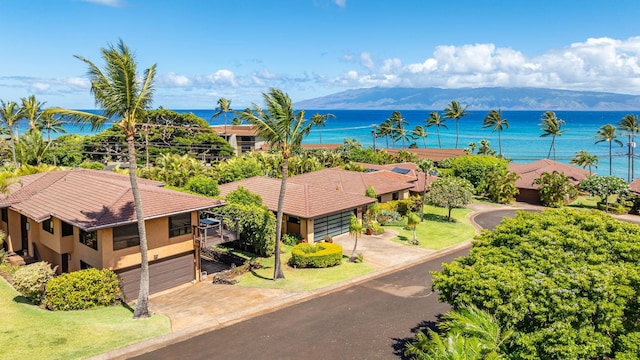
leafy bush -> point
(291, 239)
(474, 167)
(92, 165)
(30, 280)
(257, 226)
(320, 255)
(445, 163)
(203, 185)
(386, 217)
(84, 289)
(244, 197)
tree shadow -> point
(254, 273)
(22, 300)
(126, 306)
(438, 218)
(400, 345)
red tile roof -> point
(531, 171)
(634, 186)
(301, 200)
(429, 153)
(355, 182)
(91, 199)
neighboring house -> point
(310, 211)
(77, 219)
(634, 186)
(419, 180)
(433, 154)
(243, 138)
(529, 172)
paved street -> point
(372, 320)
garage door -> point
(163, 274)
(331, 225)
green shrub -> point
(291, 239)
(474, 167)
(30, 280)
(203, 185)
(92, 165)
(257, 226)
(84, 289)
(320, 255)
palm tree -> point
(355, 229)
(32, 109)
(630, 124)
(585, 159)
(434, 119)
(420, 132)
(50, 123)
(385, 129)
(224, 107)
(551, 126)
(494, 119)
(455, 111)
(122, 93)
(609, 134)
(319, 120)
(398, 131)
(10, 114)
(283, 129)
(412, 221)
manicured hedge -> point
(30, 280)
(320, 255)
(82, 289)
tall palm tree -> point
(355, 229)
(32, 109)
(434, 119)
(631, 125)
(455, 111)
(282, 128)
(420, 132)
(122, 93)
(551, 126)
(585, 159)
(385, 129)
(398, 131)
(495, 120)
(11, 114)
(319, 120)
(49, 122)
(224, 107)
(609, 134)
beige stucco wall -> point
(14, 238)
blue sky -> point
(238, 49)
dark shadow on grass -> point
(22, 300)
(254, 273)
(126, 306)
(438, 218)
(403, 238)
(400, 345)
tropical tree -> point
(7, 178)
(495, 121)
(355, 229)
(585, 160)
(604, 187)
(10, 114)
(419, 132)
(551, 126)
(125, 95)
(32, 110)
(398, 131)
(318, 120)
(385, 129)
(555, 189)
(631, 125)
(450, 192)
(428, 168)
(224, 107)
(412, 221)
(31, 148)
(455, 111)
(499, 184)
(283, 129)
(434, 119)
(50, 123)
(609, 134)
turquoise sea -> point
(521, 142)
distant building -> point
(529, 172)
(243, 138)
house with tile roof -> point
(529, 172)
(243, 138)
(419, 179)
(310, 211)
(76, 219)
(434, 154)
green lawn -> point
(302, 279)
(28, 332)
(436, 232)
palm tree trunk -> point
(438, 131)
(277, 267)
(13, 148)
(551, 147)
(320, 135)
(355, 245)
(142, 305)
(499, 143)
(456, 134)
(610, 159)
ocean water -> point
(521, 141)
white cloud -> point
(341, 3)
(366, 61)
(173, 79)
(112, 3)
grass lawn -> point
(301, 279)
(436, 232)
(586, 202)
(28, 332)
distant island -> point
(523, 98)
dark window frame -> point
(67, 229)
(395, 196)
(5, 214)
(47, 225)
(89, 239)
(84, 265)
(125, 237)
(179, 225)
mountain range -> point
(522, 98)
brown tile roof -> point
(302, 200)
(355, 182)
(634, 186)
(240, 130)
(93, 199)
(429, 153)
(531, 171)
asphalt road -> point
(372, 320)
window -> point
(5, 214)
(394, 196)
(84, 265)
(67, 229)
(180, 225)
(89, 238)
(47, 225)
(125, 236)
(293, 220)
